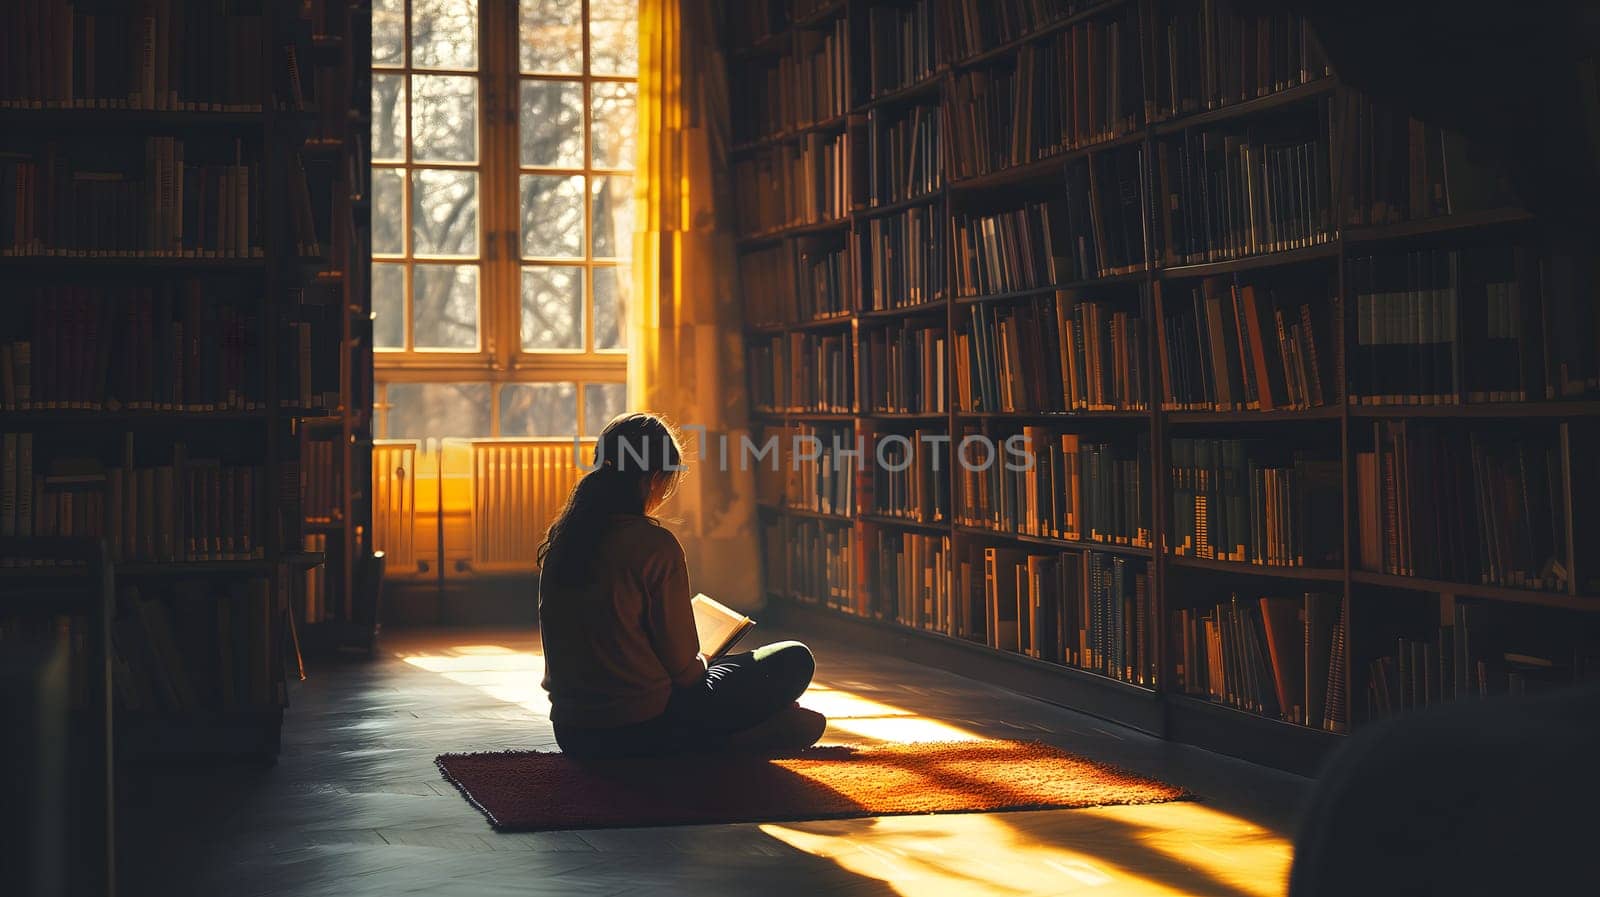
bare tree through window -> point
(502, 285)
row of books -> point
(905, 155)
(1107, 226)
(1052, 353)
(153, 55)
(1089, 610)
(767, 283)
(825, 285)
(1437, 326)
(53, 205)
(1229, 195)
(907, 476)
(901, 257)
(1017, 249)
(1217, 52)
(1233, 501)
(200, 646)
(321, 481)
(1042, 482)
(796, 91)
(1464, 658)
(815, 469)
(1080, 87)
(178, 346)
(1235, 345)
(314, 589)
(192, 509)
(903, 369)
(802, 372)
(1280, 657)
(793, 184)
(819, 565)
(899, 46)
(968, 28)
(1475, 507)
(1395, 168)
(908, 577)
(793, 282)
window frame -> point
(499, 358)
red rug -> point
(530, 790)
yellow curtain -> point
(686, 356)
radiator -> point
(518, 487)
(394, 503)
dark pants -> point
(738, 691)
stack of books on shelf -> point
(812, 470)
(767, 280)
(903, 369)
(821, 565)
(1042, 482)
(1233, 345)
(968, 28)
(182, 345)
(802, 372)
(1107, 225)
(190, 509)
(1436, 326)
(1208, 55)
(899, 45)
(314, 596)
(175, 202)
(826, 286)
(195, 647)
(1078, 87)
(1232, 502)
(321, 486)
(1471, 507)
(1396, 168)
(1230, 192)
(1006, 252)
(197, 57)
(909, 575)
(905, 155)
(789, 185)
(1472, 654)
(1088, 610)
(907, 475)
(797, 90)
(1279, 657)
(1055, 353)
(901, 259)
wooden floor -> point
(355, 805)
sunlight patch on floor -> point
(504, 674)
(1135, 851)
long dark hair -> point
(632, 450)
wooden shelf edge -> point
(1559, 600)
(1309, 574)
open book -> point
(718, 625)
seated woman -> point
(622, 662)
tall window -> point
(502, 214)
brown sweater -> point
(615, 646)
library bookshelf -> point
(184, 211)
(1314, 398)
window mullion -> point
(490, 167)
